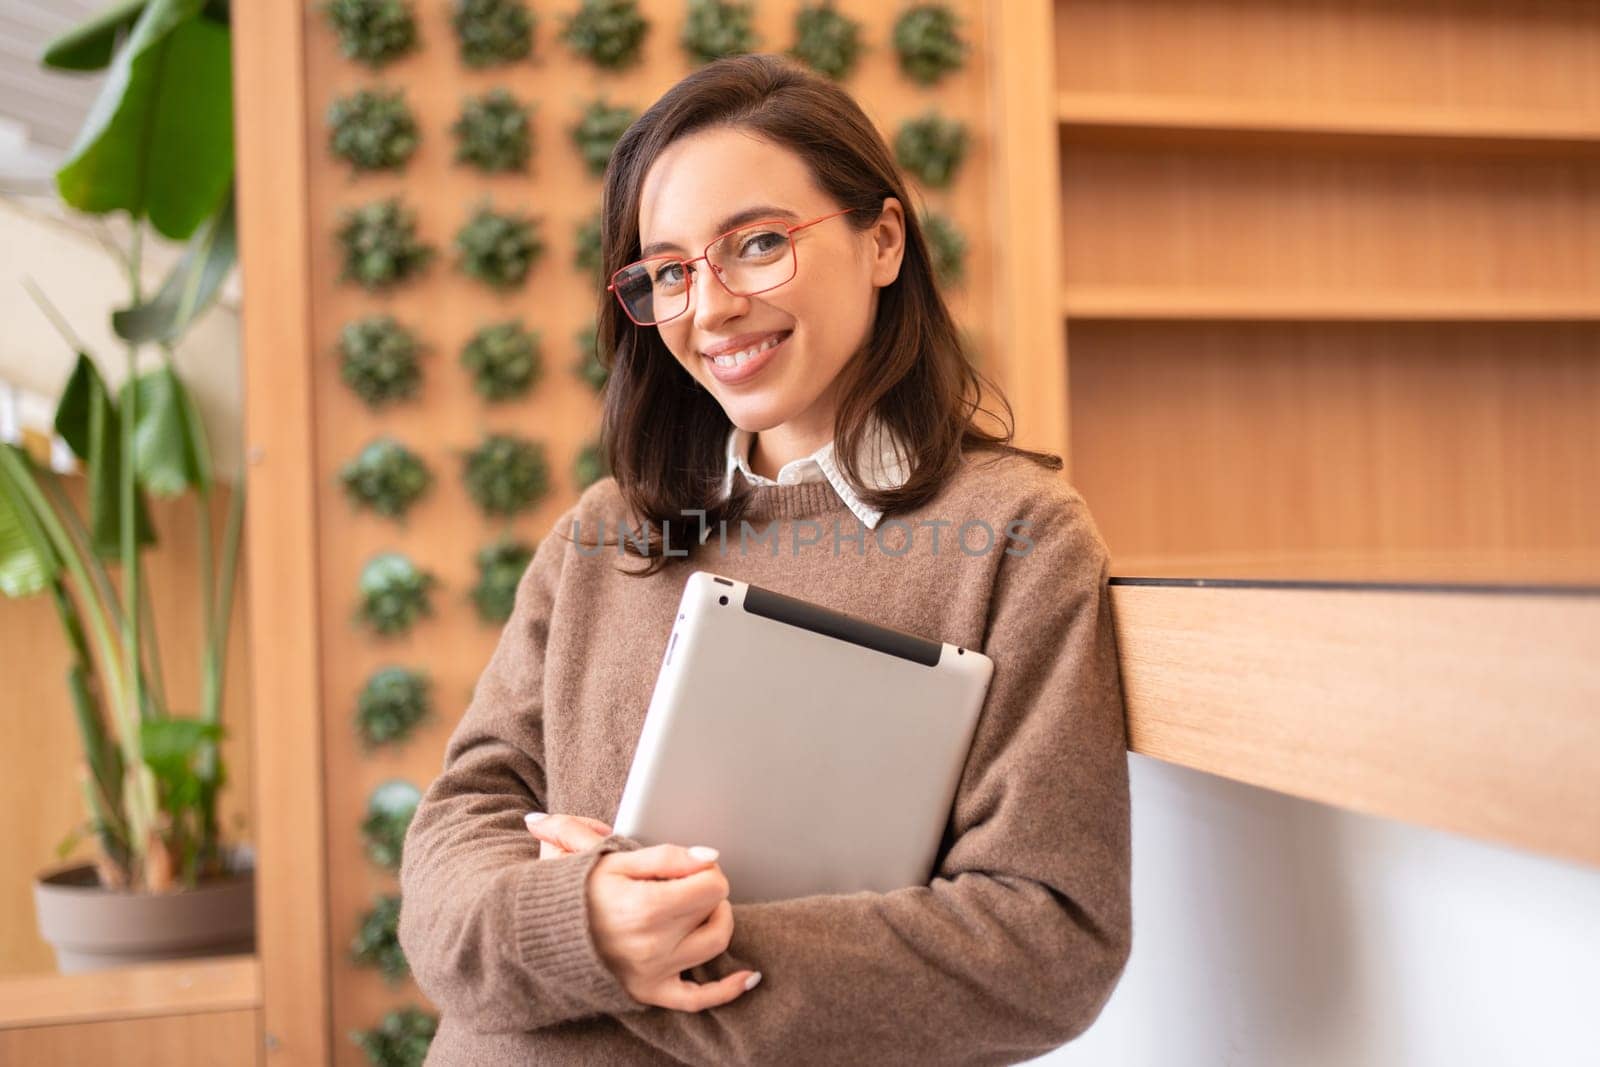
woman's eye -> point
(762, 243)
(671, 274)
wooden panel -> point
(1532, 56)
(210, 1039)
(1411, 225)
(168, 987)
(1275, 438)
(38, 763)
(1027, 201)
(1088, 111)
(291, 909)
(445, 307)
(1562, 568)
(1469, 713)
(1266, 302)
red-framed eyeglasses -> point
(750, 259)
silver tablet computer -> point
(818, 752)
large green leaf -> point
(168, 439)
(88, 45)
(87, 420)
(170, 748)
(158, 141)
(28, 562)
(191, 286)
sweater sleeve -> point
(1017, 942)
(494, 936)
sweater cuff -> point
(553, 940)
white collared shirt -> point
(882, 464)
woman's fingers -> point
(698, 996)
(664, 861)
(571, 833)
(707, 941)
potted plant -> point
(163, 882)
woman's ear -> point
(888, 242)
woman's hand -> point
(562, 835)
(654, 913)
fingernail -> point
(751, 982)
(703, 852)
(534, 816)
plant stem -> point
(141, 786)
(226, 582)
(108, 596)
(68, 551)
(157, 675)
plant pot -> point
(92, 928)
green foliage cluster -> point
(597, 131)
(377, 943)
(928, 41)
(378, 360)
(400, 1040)
(590, 465)
(373, 129)
(394, 594)
(504, 360)
(380, 244)
(493, 133)
(500, 568)
(948, 248)
(374, 32)
(826, 40)
(391, 704)
(931, 148)
(588, 366)
(717, 28)
(506, 474)
(586, 248)
(389, 813)
(386, 476)
(490, 32)
(608, 33)
(499, 248)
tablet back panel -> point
(818, 752)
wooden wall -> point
(38, 776)
(444, 307)
(1330, 296)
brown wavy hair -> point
(663, 435)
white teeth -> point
(739, 359)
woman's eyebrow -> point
(738, 218)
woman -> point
(788, 404)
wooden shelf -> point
(1139, 111)
(1155, 302)
(1468, 712)
(1551, 568)
(171, 987)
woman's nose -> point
(713, 304)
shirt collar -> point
(882, 464)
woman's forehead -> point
(707, 176)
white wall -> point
(1276, 932)
(57, 249)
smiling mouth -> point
(734, 360)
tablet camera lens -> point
(722, 600)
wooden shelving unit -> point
(1323, 354)
(1267, 305)
(1082, 112)
(181, 1013)
(1327, 283)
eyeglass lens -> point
(749, 261)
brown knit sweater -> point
(1011, 950)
